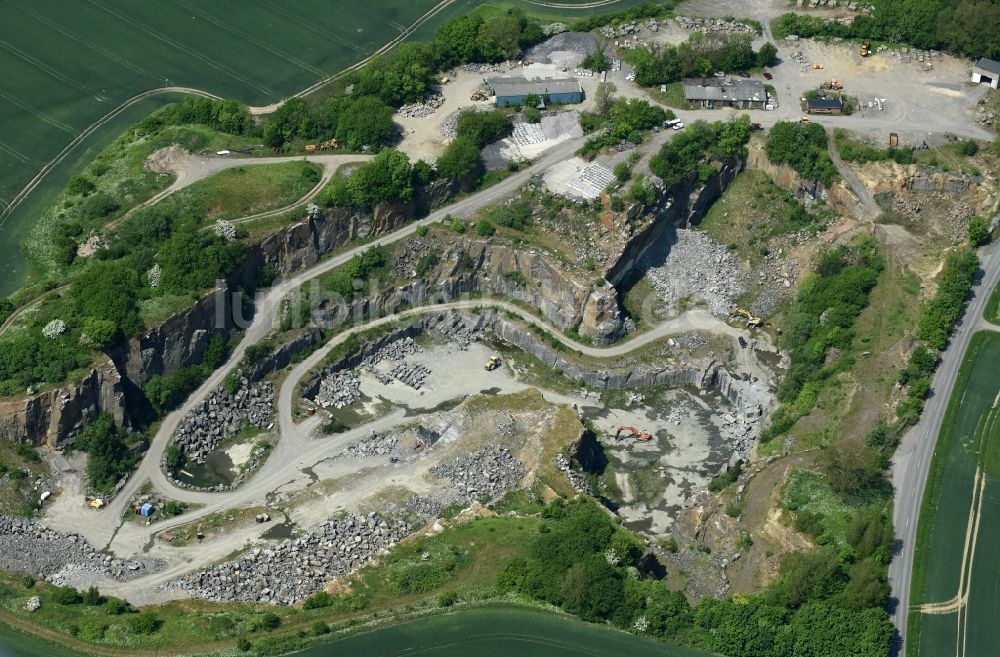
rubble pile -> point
(449, 126)
(222, 415)
(420, 110)
(698, 267)
(394, 351)
(64, 559)
(488, 472)
(740, 429)
(412, 374)
(296, 568)
(459, 330)
(339, 389)
(712, 25)
(374, 445)
(576, 480)
(984, 116)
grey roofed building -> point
(725, 92)
(514, 90)
(986, 71)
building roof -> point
(824, 103)
(725, 90)
(521, 86)
(989, 65)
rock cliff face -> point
(677, 207)
(54, 417)
(838, 195)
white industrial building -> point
(986, 71)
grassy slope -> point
(948, 489)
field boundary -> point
(932, 492)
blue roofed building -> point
(515, 90)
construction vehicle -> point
(804, 121)
(478, 94)
(639, 435)
(817, 67)
(893, 140)
(755, 322)
(865, 49)
(492, 363)
(833, 85)
(97, 503)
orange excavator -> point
(641, 436)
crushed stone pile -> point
(65, 559)
(486, 473)
(297, 568)
(697, 267)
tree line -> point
(700, 56)
(964, 27)
(823, 604)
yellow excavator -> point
(753, 322)
(492, 363)
(865, 49)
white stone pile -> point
(697, 267)
(429, 105)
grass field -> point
(67, 65)
(956, 593)
(991, 313)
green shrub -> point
(144, 623)
(939, 314)
(319, 628)
(116, 606)
(979, 231)
(317, 600)
(421, 230)
(724, 479)
(66, 595)
(265, 622)
(243, 644)
(447, 598)
(484, 228)
(92, 597)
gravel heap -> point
(419, 110)
(488, 472)
(372, 446)
(28, 547)
(296, 568)
(412, 374)
(221, 415)
(339, 389)
(566, 50)
(576, 480)
(450, 124)
(698, 267)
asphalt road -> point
(912, 460)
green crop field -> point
(66, 65)
(956, 595)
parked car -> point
(767, 75)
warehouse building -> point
(514, 90)
(824, 106)
(986, 71)
(725, 92)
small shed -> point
(986, 71)
(824, 106)
(146, 510)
